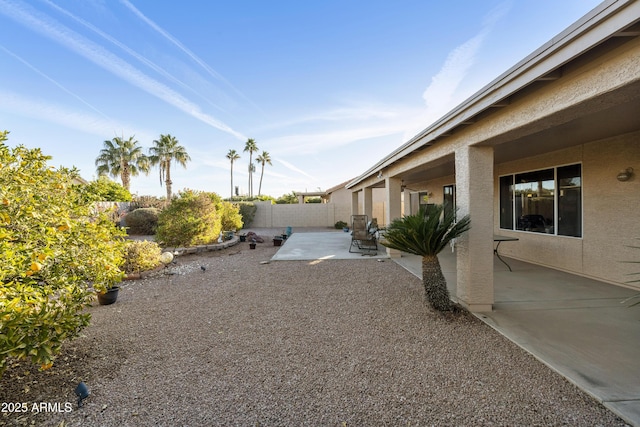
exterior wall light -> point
(625, 175)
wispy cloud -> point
(56, 83)
(346, 124)
(155, 67)
(50, 28)
(440, 96)
(293, 168)
(60, 115)
(184, 49)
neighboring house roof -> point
(80, 180)
(612, 18)
(338, 187)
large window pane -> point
(534, 201)
(449, 198)
(506, 202)
(570, 201)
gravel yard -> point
(291, 343)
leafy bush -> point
(105, 190)
(191, 219)
(286, 199)
(149, 202)
(230, 217)
(51, 247)
(340, 225)
(143, 221)
(141, 256)
(247, 212)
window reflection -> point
(534, 201)
(528, 201)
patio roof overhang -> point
(609, 25)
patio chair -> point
(363, 235)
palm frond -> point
(426, 233)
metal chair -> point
(363, 235)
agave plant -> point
(426, 234)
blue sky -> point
(327, 88)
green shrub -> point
(230, 217)
(141, 256)
(149, 202)
(51, 247)
(191, 219)
(247, 212)
(105, 190)
(286, 199)
(143, 221)
(340, 225)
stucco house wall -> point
(610, 212)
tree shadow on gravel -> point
(82, 359)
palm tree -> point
(122, 158)
(232, 155)
(165, 150)
(263, 159)
(251, 147)
(426, 234)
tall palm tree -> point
(165, 150)
(263, 159)
(122, 158)
(232, 155)
(426, 234)
(251, 147)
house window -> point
(449, 198)
(544, 201)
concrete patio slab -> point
(307, 246)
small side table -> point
(501, 239)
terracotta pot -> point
(252, 245)
(277, 241)
(108, 297)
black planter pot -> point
(108, 297)
(243, 238)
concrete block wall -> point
(297, 215)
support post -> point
(474, 253)
(393, 207)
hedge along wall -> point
(299, 215)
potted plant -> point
(277, 241)
(341, 224)
(108, 296)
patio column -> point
(368, 202)
(474, 250)
(393, 207)
(407, 202)
(354, 203)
